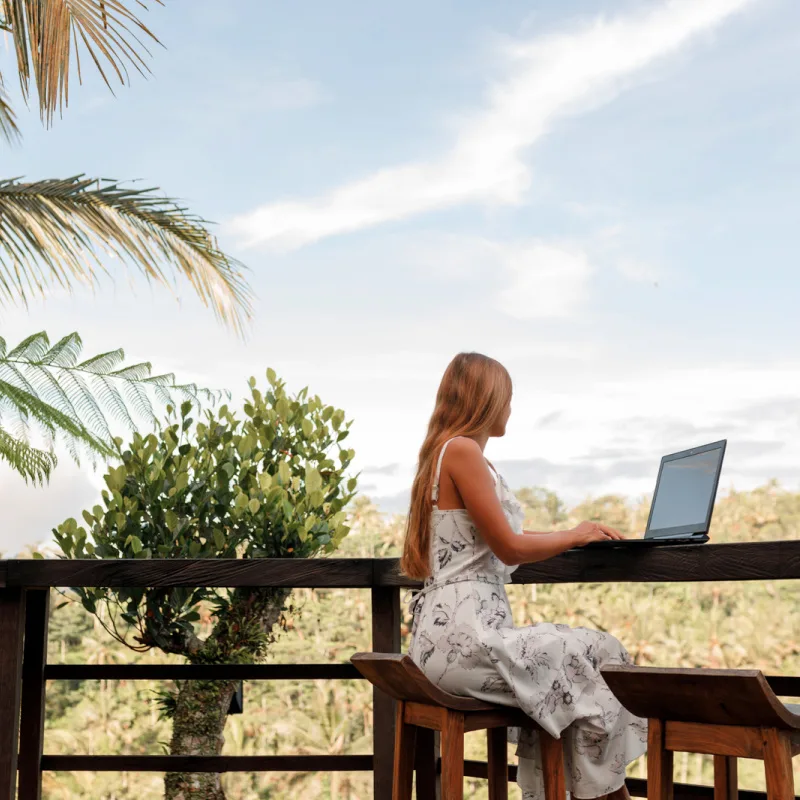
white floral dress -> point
(464, 640)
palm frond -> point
(47, 32)
(55, 232)
(8, 119)
(34, 465)
(50, 391)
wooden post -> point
(778, 764)
(497, 741)
(426, 765)
(453, 756)
(405, 736)
(31, 729)
(385, 639)
(726, 779)
(552, 766)
(12, 622)
(659, 763)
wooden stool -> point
(726, 713)
(421, 704)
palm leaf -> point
(52, 232)
(32, 464)
(48, 389)
(46, 33)
(8, 119)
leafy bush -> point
(265, 484)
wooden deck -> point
(24, 592)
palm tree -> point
(58, 232)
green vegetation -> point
(693, 625)
(53, 231)
(47, 391)
(268, 484)
(63, 232)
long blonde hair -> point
(474, 392)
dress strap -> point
(435, 488)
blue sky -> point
(603, 195)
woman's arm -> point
(465, 465)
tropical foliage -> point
(693, 625)
(269, 483)
(64, 231)
(49, 395)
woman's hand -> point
(586, 532)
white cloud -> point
(549, 76)
(639, 271)
(536, 279)
(545, 281)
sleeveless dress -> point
(464, 640)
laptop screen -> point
(685, 491)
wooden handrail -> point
(744, 561)
(24, 588)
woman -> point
(465, 538)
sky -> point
(600, 194)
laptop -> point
(683, 500)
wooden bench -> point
(422, 705)
(726, 713)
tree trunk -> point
(198, 726)
(241, 635)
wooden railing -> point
(24, 610)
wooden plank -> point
(718, 740)
(659, 763)
(681, 563)
(31, 731)
(726, 778)
(223, 572)
(12, 625)
(777, 754)
(553, 767)
(453, 756)
(425, 716)
(700, 695)
(688, 791)
(404, 746)
(745, 561)
(497, 749)
(636, 786)
(426, 763)
(174, 672)
(53, 763)
(385, 639)
(399, 677)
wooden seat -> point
(729, 714)
(422, 706)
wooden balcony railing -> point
(24, 609)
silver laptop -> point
(683, 500)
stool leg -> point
(726, 778)
(659, 763)
(453, 756)
(778, 764)
(553, 767)
(426, 763)
(498, 763)
(404, 736)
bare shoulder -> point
(463, 451)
